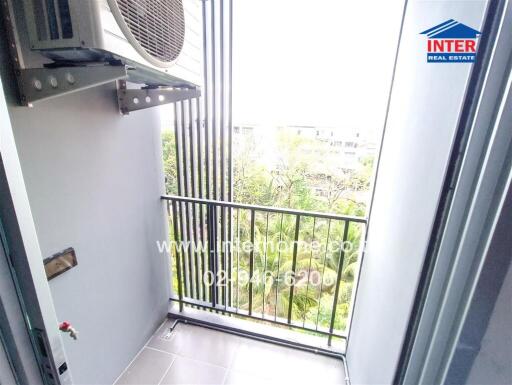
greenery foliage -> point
(303, 165)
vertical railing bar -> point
(222, 149)
(230, 139)
(204, 250)
(224, 255)
(212, 253)
(207, 144)
(214, 97)
(230, 255)
(265, 269)
(177, 252)
(206, 104)
(309, 268)
(214, 124)
(201, 195)
(237, 260)
(251, 261)
(278, 265)
(184, 238)
(338, 281)
(221, 100)
(218, 290)
(294, 267)
(179, 167)
(193, 193)
(186, 170)
(230, 101)
(209, 240)
(323, 272)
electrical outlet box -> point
(60, 263)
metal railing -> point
(289, 267)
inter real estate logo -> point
(451, 42)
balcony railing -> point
(288, 267)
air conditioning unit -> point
(159, 40)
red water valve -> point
(67, 328)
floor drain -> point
(167, 336)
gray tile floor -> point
(195, 355)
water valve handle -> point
(67, 328)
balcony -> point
(281, 267)
(260, 295)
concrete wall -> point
(94, 179)
(425, 105)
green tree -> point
(292, 182)
(169, 161)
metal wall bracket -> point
(138, 99)
(44, 83)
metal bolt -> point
(148, 99)
(53, 81)
(37, 84)
(70, 78)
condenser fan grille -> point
(157, 25)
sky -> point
(323, 62)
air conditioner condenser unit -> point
(159, 40)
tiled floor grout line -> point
(161, 351)
(138, 353)
(178, 354)
(230, 365)
(167, 371)
(200, 361)
(127, 366)
(227, 369)
(162, 332)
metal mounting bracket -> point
(44, 83)
(138, 99)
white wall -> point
(94, 180)
(425, 105)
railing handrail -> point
(266, 208)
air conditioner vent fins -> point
(157, 25)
